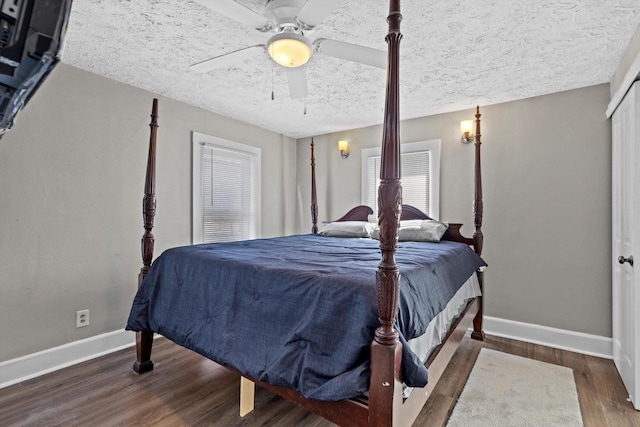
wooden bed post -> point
(385, 392)
(478, 237)
(144, 340)
(314, 196)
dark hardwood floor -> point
(186, 389)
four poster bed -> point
(303, 317)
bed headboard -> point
(362, 212)
(359, 213)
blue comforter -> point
(297, 311)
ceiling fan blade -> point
(226, 60)
(316, 11)
(352, 52)
(239, 13)
(297, 78)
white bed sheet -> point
(437, 329)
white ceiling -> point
(454, 54)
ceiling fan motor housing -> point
(283, 13)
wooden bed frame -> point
(386, 406)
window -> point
(226, 190)
(420, 174)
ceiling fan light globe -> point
(289, 50)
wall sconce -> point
(466, 127)
(343, 146)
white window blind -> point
(226, 192)
(419, 175)
(415, 180)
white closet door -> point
(625, 240)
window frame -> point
(433, 146)
(200, 140)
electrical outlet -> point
(82, 318)
(11, 8)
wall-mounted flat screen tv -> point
(31, 36)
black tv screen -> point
(31, 36)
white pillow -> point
(348, 229)
(418, 230)
(412, 222)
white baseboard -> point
(592, 345)
(33, 365)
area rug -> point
(507, 390)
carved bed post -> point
(144, 340)
(314, 197)
(385, 392)
(478, 237)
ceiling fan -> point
(289, 47)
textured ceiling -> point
(454, 54)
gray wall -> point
(71, 182)
(547, 197)
(72, 173)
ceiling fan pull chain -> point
(272, 85)
(305, 105)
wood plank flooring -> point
(186, 389)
